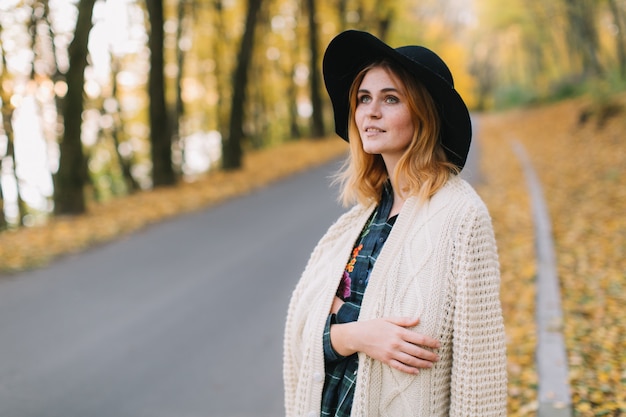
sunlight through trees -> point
(127, 97)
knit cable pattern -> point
(439, 263)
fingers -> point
(421, 339)
(412, 337)
(405, 321)
(412, 353)
(390, 341)
(413, 362)
(410, 364)
(418, 357)
(403, 368)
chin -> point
(370, 149)
(371, 152)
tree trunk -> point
(7, 116)
(7, 125)
(231, 148)
(125, 164)
(342, 10)
(292, 93)
(21, 204)
(581, 15)
(69, 194)
(3, 219)
(220, 71)
(32, 31)
(317, 119)
(383, 18)
(179, 106)
(55, 73)
(160, 134)
(483, 70)
(548, 37)
(620, 37)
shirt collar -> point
(386, 202)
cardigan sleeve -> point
(291, 356)
(307, 313)
(330, 354)
(479, 380)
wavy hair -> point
(423, 168)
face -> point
(382, 115)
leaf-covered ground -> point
(578, 149)
(31, 247)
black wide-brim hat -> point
(351, 51)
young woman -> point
(397, 312)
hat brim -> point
(351, 51)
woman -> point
(397, 312)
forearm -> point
(343, 338)
(387, 340)
(341, 332)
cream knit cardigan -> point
(440, 264)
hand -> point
(388, 340)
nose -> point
(373, 110)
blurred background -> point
(107, 98)
(119, 113)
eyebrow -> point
(384, 90)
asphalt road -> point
(183, 319)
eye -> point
(391, 99)
(364, 99)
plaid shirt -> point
(341, 371)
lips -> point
(373, 129)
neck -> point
(398, 199)
(390, 163)
(398, 202)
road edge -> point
(554, 394)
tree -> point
(181, 53)
(317, 118)
(3, 219)
(620, 37)
(6, 112)
(342, 7)
(292, 94)
(7, 115)
(483, 70)
(70, 180)
(583, 39)
(160, 131)
(231, 148)
(125, 164)
(220, 37)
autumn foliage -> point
(34, 246)
(577, 149)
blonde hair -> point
(423, 168)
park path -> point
(183, 319)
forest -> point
(106, 98)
